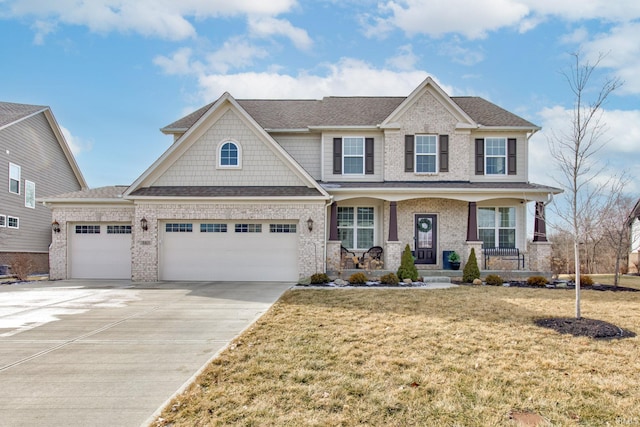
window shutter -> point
(511, 156)
(444, 153)
(479, 156)
(408, 153)
(368, 156)
(337, 156)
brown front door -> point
(426, 239)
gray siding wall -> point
(32, 145)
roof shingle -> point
(10, 112)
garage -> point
(100, 251)
(242, 250)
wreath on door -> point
(424, 225)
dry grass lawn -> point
(467, 356)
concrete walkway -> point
(110, 353)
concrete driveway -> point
(110, 353)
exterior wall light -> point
(55, 227)
(310, 224)
(143, 224)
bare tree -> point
(574, 152)
(615, 227)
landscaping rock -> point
(339, 282)
(407, 281)
(477, 282)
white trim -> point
(487, 156)
(374, 227)
(363, 156)
(435, 154)
(27, 192)
(9, 218)
(13, 178)
(219, 154)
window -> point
(496, 156)
(87, 229)
(3, 221)
(14, 178)
(229, 155)
(353, 155)
(13, 222)
(426, 153)
(497, 227)
(29, 194)
(179, 228)
(282, 228)
(248, 228)
(355, 227)
(213, 228)
(118, 229)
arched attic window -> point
(229, 155)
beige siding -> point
(378, 157)
(32, 145)
(305, 149)
(522, 146)
(198, 165)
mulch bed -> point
(583, 327)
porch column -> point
(333, 222)
(472, 223)
(540, 224)
(393, 221)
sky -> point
(116, 71)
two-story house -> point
(272, 189)
(36, 162)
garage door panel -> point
(249, 256)
(96, 254)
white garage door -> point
(223, 250)
(100, 251)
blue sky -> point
(115, 71)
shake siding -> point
(198, 165)
(305, 149)
(378, 157)
(32, 145)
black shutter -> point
(408, 153)
(479, 156)
(512, 159)
(444, 153)
(368, 156)
(337, 156)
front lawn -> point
(466, 356)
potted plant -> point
(454, 260)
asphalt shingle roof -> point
(109, 192)
(10, 112)
(348, 111)
(226, 191)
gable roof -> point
(11, 113)
(352, 111)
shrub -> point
(454, 257)
(319, 278)
(407, 268)
(585, 280)
(358, 279)
(21, 266)
(493, 280)
(537, 281)
(471, 270)
(390, 279)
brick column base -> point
(540, 257)
(333, 255)
(393, 255)
(477, 245)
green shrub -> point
(390, 279)
(319, 278)
(407, 268)
(358, 279)
(537, 281)
(493, 280)
(471, 270)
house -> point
(37, 162)
(633, 222)
(273, 189)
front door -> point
(426, 239)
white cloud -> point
(159, 18)
(266, 26)
(235, 53)
(76, 144)
(404, 60)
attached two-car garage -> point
(246, 250)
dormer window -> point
(229, 155)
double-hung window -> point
(496, 156)
(356, 227)
(497, 227)
(14, 178)
(353, 155)
(426, 153)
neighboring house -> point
(633, 222)
(36, 162)
(271, 190)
